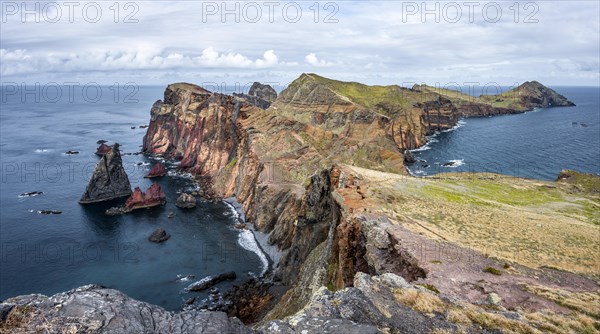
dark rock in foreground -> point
(94, 309)
(157, 171)
(154, 196)
(109, 180)
(211, 281)
(159, 235)
(186, 201)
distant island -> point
(366, 247)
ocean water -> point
(536, 144)
(53, 253)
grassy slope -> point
(530, 222)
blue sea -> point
(53, 253)
(536, 144)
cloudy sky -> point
(375, 42)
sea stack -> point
(109, 180)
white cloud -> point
(312, 59)
(370, 40)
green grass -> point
(493, 271)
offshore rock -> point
(157, 170)
(154, 196)
(186, 201)
(159, 235)
(109, 180)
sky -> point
(236, 42)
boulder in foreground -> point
(109, 180)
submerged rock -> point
(49, 212)
(31, 194)
(103, 149)
(186, 201)
(71, 152)
(109, 180)
(210, 281)
(157, 171)
(101, 141)
(159, 235)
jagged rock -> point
(157, 170)
(109, 180)
(159, 235)
(186, 201)
(94, 309)
(265, 92)
(103, 149)
(154, 196)
(211, 281)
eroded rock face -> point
(109, 180)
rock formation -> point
(186, 201)
(109, 180)
(154, 196)
(157, 170)
(259, 95)
(264, 92)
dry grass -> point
(468, 315)
(534, 223)
(420, 301)
(584, 302)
